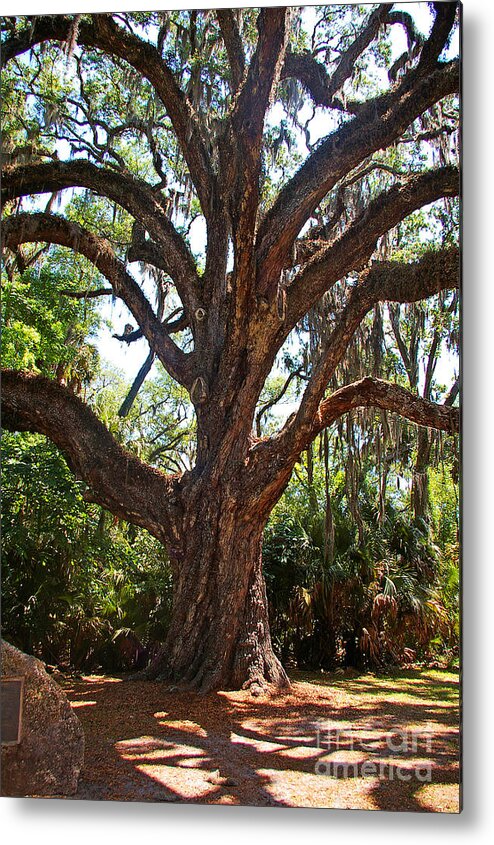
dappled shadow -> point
(362, 742)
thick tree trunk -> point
(219, 634)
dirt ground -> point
(346, 741)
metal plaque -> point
(11, 710)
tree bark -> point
(420, 481)
(219, 635)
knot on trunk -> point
(199, 392)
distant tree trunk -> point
(314, 504)
(420, 482)
(328, 521)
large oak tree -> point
(203, 85)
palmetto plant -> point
(377, 602)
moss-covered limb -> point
(388, 280)
(125, 190)
(376, 393)
(378, 124)
(354, 247)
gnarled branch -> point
(233, 44)
(247, 123)
(117, 480)
(54, 229)
(391, 281)
(104, 34)
(377, 124)
(125, 190)
(376, 393)
(352, 249)
(321, 85)
(263, 73)
(441, 29)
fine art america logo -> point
(349, 754)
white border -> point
(81, 822)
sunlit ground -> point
(343, 741)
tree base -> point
(219, 633)
(231, 649)
(260, 676)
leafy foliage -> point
(73, 577)
(43, 329)
(388, 595)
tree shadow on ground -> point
(360, 742)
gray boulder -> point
(50, 754)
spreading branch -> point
(127, 191)
(102, 33)
(262, 76)
(377, 124)
(321, 85)
(366, 393)
(445, 15)
(116, 479)
(247, 124)
(233, 44)
(376, 393)
(391, 281)
(88, 294)
(351, 250)
(383, 281)
(54, 229)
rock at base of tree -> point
(50, 754)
